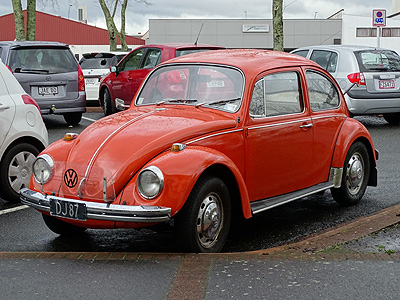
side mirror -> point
(120, 104)
(113, 69)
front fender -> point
(181, 171)
(351, 131)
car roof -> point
(181, 46)
(32, 43)
(340, 47)
(251, 60)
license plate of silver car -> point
(386, 84)
(48, 90)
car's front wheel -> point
(392, 119)
(61, 227)
(108, 105)
(355, 176)
(16, 170)
(203, 223)
(73, 118)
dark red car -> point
(120, 85)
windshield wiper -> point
(36, 71)
(176, 101)
(218, 102)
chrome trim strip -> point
(212, 135)
(101, 211)
(101, 146)
(280, 124)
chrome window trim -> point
(213, 135)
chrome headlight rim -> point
(160, 177)
(50, 168)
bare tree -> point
(113, 32)
(277, 23)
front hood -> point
(116, 147)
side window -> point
(322, 92)
(152, 58)
(276, 94)
(132, 62)
(301, 53)
(326, 59)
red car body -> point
(124, 80)
(229, 130)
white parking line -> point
(89, 119)
(14, 209)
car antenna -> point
(197, 39)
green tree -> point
(19, 20)
(277, 24)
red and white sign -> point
(379, 17)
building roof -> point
(58, 29)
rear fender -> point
(181, 171)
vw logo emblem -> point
(70, 178)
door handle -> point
(4, 107)
(309, 125)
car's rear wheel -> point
(355, 177)
(16, 170)
(392, 119)
(203, 223)
(61, 227)
(108, 105)
(73, 118)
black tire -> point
(392, 119)
(355, 177)
(16, 170)
(61, 227)
(108, 105)
(73, 118)
(203, 223)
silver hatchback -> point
(376, 70)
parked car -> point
(210, 137)
(50, 74)
(376, 70)
(22, 136)
(118, 88)
(96, 65)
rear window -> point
(378, 60)
(42, 60)
(180, 52)
(98, 62)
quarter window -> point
(153, 57)
(322, 92)
(276, 94)
(326, 59)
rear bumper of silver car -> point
(100, 211)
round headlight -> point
(43, 168)
(150, 182)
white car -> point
(94, 66)
(23, 135)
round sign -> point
(379, 14)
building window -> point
(391, 32)
(366, 32)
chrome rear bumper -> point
(101, 211)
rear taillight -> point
(81, 80)
(29, 100)
(357, 78)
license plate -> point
(48, 90)
(215, 83)
(90, 80)
(386, 84)
(68, 209)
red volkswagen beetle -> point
(208, 135)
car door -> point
(131, 72)
(7, 111)
(279, 142)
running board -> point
(262, 205)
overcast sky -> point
(138, 13)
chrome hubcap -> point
(209, 220)
(355, 173)
(20, 170)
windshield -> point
(200, 85)
(42, 60)
(378, 60)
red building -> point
(80, 36)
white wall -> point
(351, 23)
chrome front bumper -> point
(101, 211)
